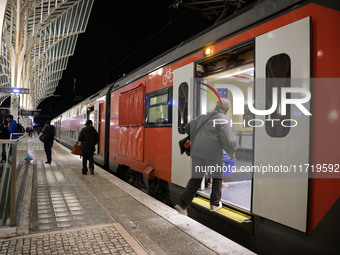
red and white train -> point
(140, 119)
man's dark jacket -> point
(4, 133)
(208, 141)
(89, 138)
(49, 132)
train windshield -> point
(227, 70)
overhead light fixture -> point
(9, 90)
(236, 73)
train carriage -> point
(69, 124)
(141, 118)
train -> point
(274, 57)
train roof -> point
(244, 19)
(251, 15)
(80, 109)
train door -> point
(233, 69)
(96, 121)
(182, 113)
(280, 191)
(101, 129)
(94, 114)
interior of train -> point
(234, 68)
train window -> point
(278, 76)
(182, 107)
(158, 114)
(158, 108)
(161, 99)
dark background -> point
(120, 37)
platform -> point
(65, 212)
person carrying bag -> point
(89, 138)
(48, 135)
(209, 142)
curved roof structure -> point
(38, 37)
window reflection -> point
(182, 107)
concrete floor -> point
(65, 212)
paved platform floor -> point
(65, 212)
(99, 239)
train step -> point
(230, 215)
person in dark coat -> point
(49, 132)
(208, 141)
(89, 138)
(4, 134)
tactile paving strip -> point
(59, 200)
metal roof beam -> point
(37, 39)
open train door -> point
(94, 115)
(181, 115)
(96, 121)
(280, 192)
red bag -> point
(184, 145)
(76, 150)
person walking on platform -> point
(12, 126)
(4, 134)
(49, 133)
(89, 138)
(210, 134)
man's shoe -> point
(224, 185)
(48, 162)
(214, 208)
(181, 210)
(92, 171)
(84, 173)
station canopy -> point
(37, 38)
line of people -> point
(9, 132)
(88, 137)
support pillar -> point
(14, 106)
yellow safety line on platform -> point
(225, 211)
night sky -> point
(120, 37)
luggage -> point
(76, 150)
